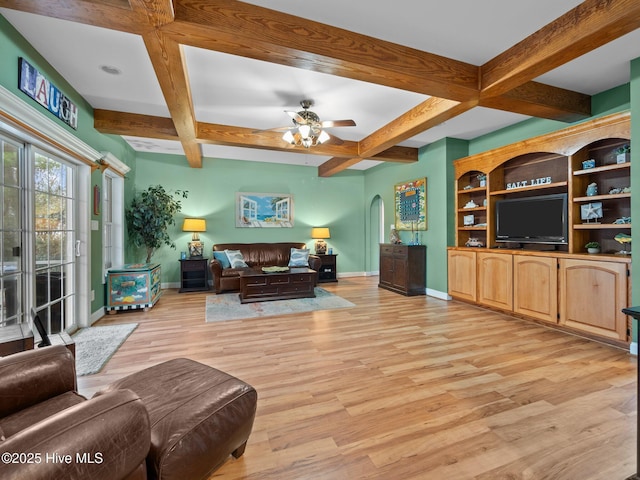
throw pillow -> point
(222, 258)
(299, 257)
(235, 258)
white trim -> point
(29, 116)
(24, 114)
(114, 163)
(95, 316)
(438, 294)
(633, 348)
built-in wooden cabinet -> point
(535, 287)
(462, 274)
(558, 284)
(402, 268)
(495, 279)
(592, 296)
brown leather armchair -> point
(48, 430)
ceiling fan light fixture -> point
(288, 137)
(304, 130)
(323, 137)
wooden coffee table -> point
(257, 286)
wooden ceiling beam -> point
(134, 124)
(428, 114)
(586, 27)
(248, 138)
(543, 101)
(336, 165)
(166, 58)
(113, 14)
(255, 32)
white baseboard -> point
(97, 315)
(352, 274)
(633, 348)
(438, 294)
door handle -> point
(77, 248)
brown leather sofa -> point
(255, 255)
(176, 420)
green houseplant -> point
(149, 216)
(593, 247)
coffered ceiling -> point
(205, 78)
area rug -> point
(227, 306)
(96, 345)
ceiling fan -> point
(307, 130)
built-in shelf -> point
(474, 209)
(595, 198)
(601, 226)
(472, 228)
(604, 168)
(473, 190)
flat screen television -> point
(537, 219)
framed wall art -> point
(411, 205)
(264, 210)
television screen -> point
(539, 219)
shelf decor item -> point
(624, 239)
(622, 154)
(592, 189)
(591, 211)
(468, 220)
(482, 180)
(592, 247)
(587, 164)
(195, 225)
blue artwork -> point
(264, 210)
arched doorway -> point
(375, 234)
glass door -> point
(56, 248)
(11, 231)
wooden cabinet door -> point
(400, 272)
(535, 287)
(495, 279)
(461, 265)
(386, 269)
(592, 296)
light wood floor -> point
(403, 388)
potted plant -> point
(149, 216)
(593, 247)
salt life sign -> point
(34, 84)
(529, 183)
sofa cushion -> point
(236, 259)
(299, 257)
(222, 258)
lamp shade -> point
(194, 225)
(320, 232)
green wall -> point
(13, 46)
(434, 163)
(334, 202)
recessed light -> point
(110, 69)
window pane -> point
(11, 208)
(11, 165)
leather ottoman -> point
(198, 416)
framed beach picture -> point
(411, 205)
(264, 210)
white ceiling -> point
(238, 91)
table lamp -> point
(195, 225)
(320, 233)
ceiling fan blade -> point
(296, 117)
(338, 123)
